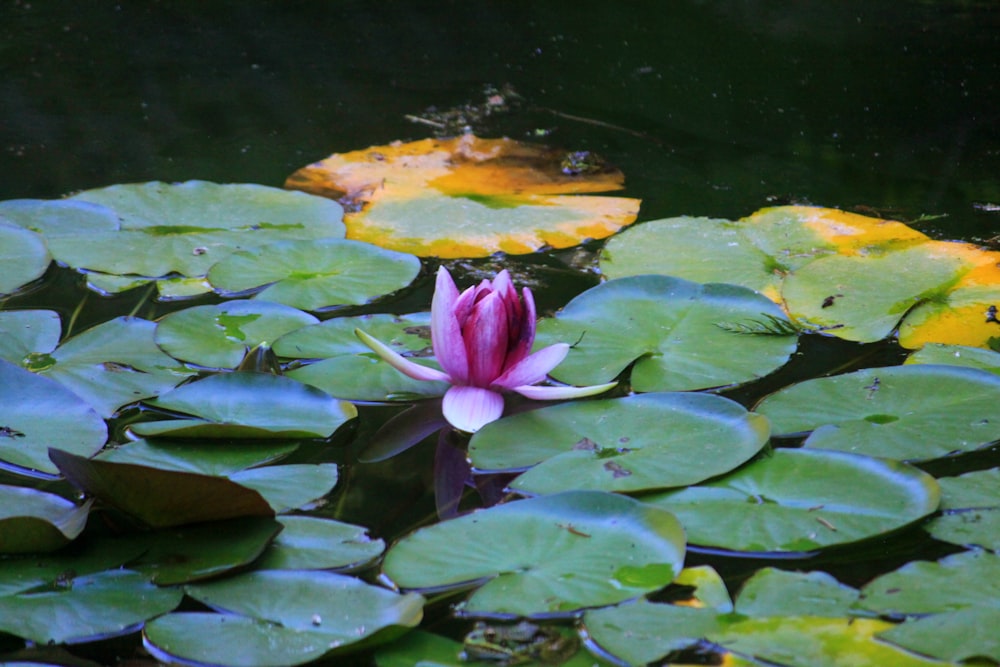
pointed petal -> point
(399, 362)
(523, 336)
(559, 393)
(485, 334)
(533, 368)
(446, 331)
(470, 408)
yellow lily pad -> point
(470, 197)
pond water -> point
(718, 109)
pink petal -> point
(485, 334)
(559, 393)
(533, 368)
(446, 331)
(470, 408)
(399, 362)
(523, 332)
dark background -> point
(710, 108)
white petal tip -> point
(470, 408)
(562, 393)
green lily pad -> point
(707, 250)
(281, 617)
(34, 521)
(108, 285)
(37, 413)
(863, 297)
(51, 570)
(288, 487)
(912, 413)
(960, 593)
(53, 218)
(971, 510)
(314, 543)
(544, 555)
(681, 335)
(185, 228)
(410, 335)
(807, 641)
(25, 331)
(962, 580)
(202, 551)
(626, 444)
(113, 364)
(160, 498)
(23, 256)
(349, 369)
(205, 457)
(641, 632)
(218, 336)
(800, 500)
(365, 377)
(957, 355)
(248, 405)
(85, 608)
(315, 275)
(956, 636)
(223, 639)
(773, 592)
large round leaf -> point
(50, 571)
(774, 592)
(33, 521)
(863, 297)
(640, 632)
(410, 335)
(37, 413)
(251, 405)
(706, 250)
(289, 487)
(315, 543)
(955, 602)
(157, 497)
(270, 613)
(234, 641)
(756, 251)
(957, 355)
(188, 227)
(85, 608)
(809, 641)
(314, 275)
(113, 364)
(971, 510)
(60, 217)
(913, 412)
(23, 332)
(184, 554)
(23, 256)
(800, 500)
(544, 555)
(218, 336)
(645, 441)
(349, 369)
(470, 197)
(681, 335)
(206, 457)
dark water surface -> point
(886, 107)
(715, 106)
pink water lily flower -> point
(482, 338)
